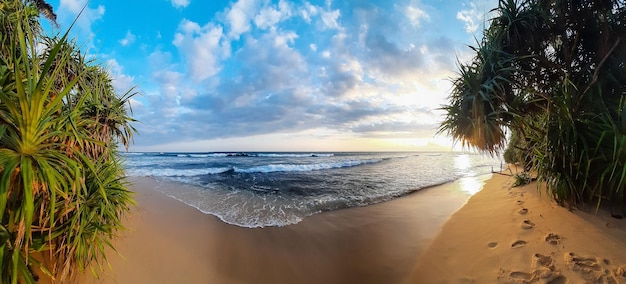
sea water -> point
(279, 189)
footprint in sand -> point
(540, 260)
(518, 244)
(590, 268)
(520, 276)
(522, 211)
(519, 202)
(544, 271)
(584, 264)
(553, 239)
(527, 224)
(492, 244)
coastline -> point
(171, 242)
(487, 238)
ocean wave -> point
(245, 191)
(233, 154)
(305, 167)
(132, 154)
(169, 172)
(292, 155)
(143, 172)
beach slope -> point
(508, 234)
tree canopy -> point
(553, 73)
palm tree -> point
(58, 202)
(554, 73)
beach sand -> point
(510, 234)
(170, 242)
(501, 235)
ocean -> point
(254, 189)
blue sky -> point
(260, 75)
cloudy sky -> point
(261, 75)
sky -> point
(261, 75)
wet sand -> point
(170, 242)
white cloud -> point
(476, 14)
(73, 6)
(239, 17)
(173, 95)
(121, 82)
(135, 104)
(160, 60)
(284, 39)
(468, 16)
(180, 3)
(307, 11)
(416, 15)
(367, 71)
(202, 48)
(69, 10)
(330, 19)
(129, 39)
(268, 17)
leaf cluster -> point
(62, 189)
(553, 73)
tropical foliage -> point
(553, 73)
(62, 188)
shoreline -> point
(465, 185)
(481, 238)
(176, 243)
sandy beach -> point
(170, 242)
(500, 235)
(510, 234)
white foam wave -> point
(293, 155)
(235, 154)
(132, 154)
(174, 172)
(210, 155)
(305, 167)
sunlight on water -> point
(462, 162)
(470, 182)
(471, 185)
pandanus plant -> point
(553, 73)
(61, 201)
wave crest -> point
(305, 167)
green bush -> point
(62, 189)
(553, 73)
(522, 178)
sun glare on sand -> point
(470, 183)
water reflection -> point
(471, 184)
(462, 162)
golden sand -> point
(501, 235)
(510, 234)
(170, 242)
